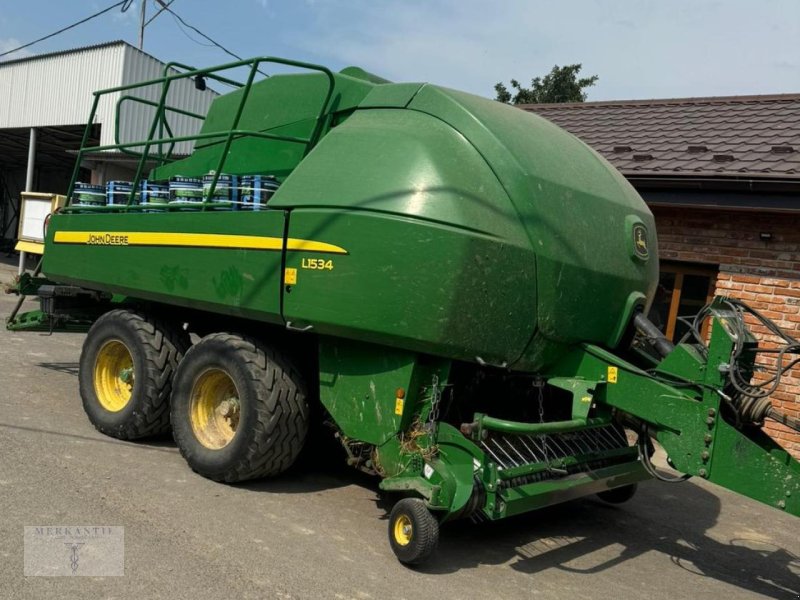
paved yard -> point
(322, 533)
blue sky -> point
(639, 48)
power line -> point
(193, 28)
(125, 4)
(153, 18)
(189, 37)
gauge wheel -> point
(413, 531)
(239, 409)
(126, 368)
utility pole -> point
(142, 8)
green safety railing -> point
(160, 124)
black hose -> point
(645, 446)
(652, 334)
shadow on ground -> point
(571, 537)
(70, 368)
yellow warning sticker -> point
(398, 406)
(612, 374)
(290, 276)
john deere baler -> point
(457, 287)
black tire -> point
(413, 531)
(154, 349)
(618, 495)
(271, 409)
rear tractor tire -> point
(125, 376)
(413, 531)
(239, 409)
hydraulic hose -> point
(651, 333)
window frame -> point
(680, 270)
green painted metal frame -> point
(683, 404)
(159, 123)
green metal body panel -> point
(230, 280)
(359, 383)
(576, 210)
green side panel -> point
(393, 288)
(358, 384)
(229, 280)
(283, 99)
(408, 164)
(437, 261)
(578, 213)
(247, 155)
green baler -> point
(456, 286)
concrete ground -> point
(321, 533)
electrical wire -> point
(125, 4)
(645, 447)
(166, 7)
(195, 29)
(753, 395)
(186, 34)
(749, 402)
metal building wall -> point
(136, 118)
(57, 90)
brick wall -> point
(765, 274)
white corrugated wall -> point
(57, 90)
(136, 118)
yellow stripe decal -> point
(194, 240)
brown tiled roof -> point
(744, 136)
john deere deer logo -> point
(640, 241)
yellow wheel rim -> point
(403, 530)
(113, 376)
(214, 409)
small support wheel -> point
(413, 531)
(618, 495)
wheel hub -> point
(214, 409)
(114, 376)
(403, 530)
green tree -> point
(561, 84)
